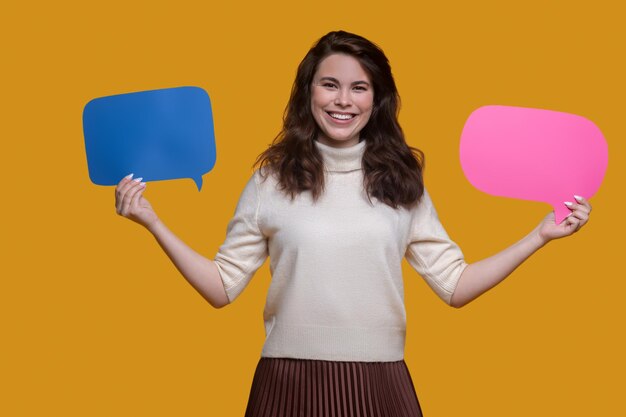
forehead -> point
(343, 67)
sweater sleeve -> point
(432, 253)
(245, 247)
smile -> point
(341, 116)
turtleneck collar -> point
(341, 159)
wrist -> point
(154, 226)
(538, 239)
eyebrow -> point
(336, 81)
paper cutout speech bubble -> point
(158, 135)
(533, 154)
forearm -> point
(199, 271)
(479, 277)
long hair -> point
(392, 170)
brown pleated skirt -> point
(314, 388)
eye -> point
(360, 88)
(328, 84)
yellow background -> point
(95, 321)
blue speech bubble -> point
(158, 135)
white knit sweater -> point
(336, 291)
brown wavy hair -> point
(392, 170)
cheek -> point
(316, 105)
(367, 106)
(320, 98)
(366, 102)
(367, 109)
(316, 110)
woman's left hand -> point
(549, 230)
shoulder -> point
(261, 185)
(422, 203)
(265, 178)
(424, 209)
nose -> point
(343, 97)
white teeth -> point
(341, 116)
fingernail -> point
(129, 176)
(138, 179)
(142, 184)
(568, 203)
(578, 198)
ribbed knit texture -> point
(336, 292)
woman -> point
(337, 202)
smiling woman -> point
(335, 320)
(337, 202)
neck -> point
(341, 159)
(338, 143)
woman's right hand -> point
(130, 203)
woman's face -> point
(341, 101)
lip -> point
(339, 121)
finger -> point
(582, 208)
(576, 207)
(571, 224)
(121, 193)
(127, 179)
(582, 218)
(583, 201)
(576, 222)
(126, 196)
(581, 215)
(120, 189)
(137, 192)
(129, 191)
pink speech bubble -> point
(532, 154)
